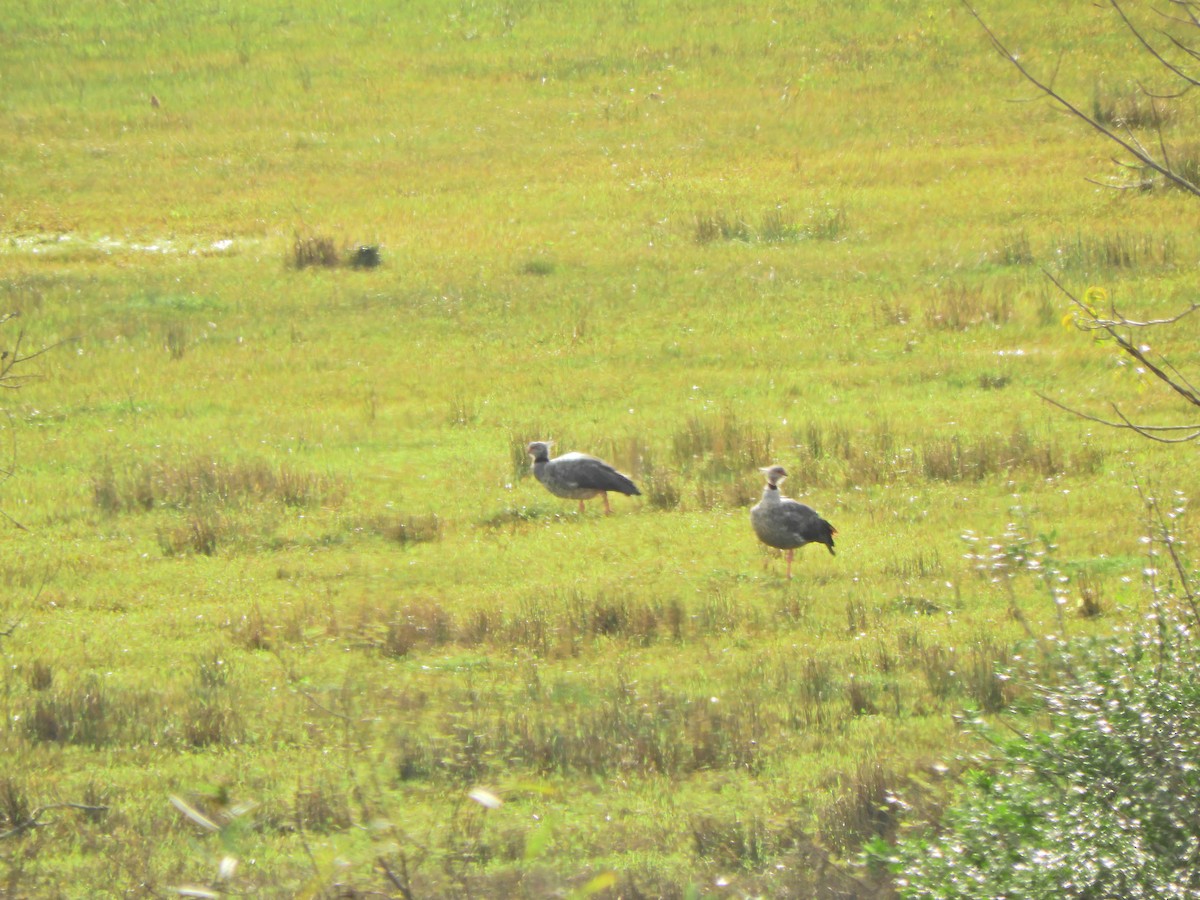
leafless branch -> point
(1153, 432)
(401, 880)
(1151, 49)
(1132, 147)
(1166, 536)
(1186, 6)
(10, 359)
(1115, 328)
(34, 819)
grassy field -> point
(284, 592)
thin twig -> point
(33, 820)
(401, 883)
(1093, 322)
(1153, 432)
(1048, 90)
(1136, 32)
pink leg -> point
(789, 559)
(607, 508)
(581, 507)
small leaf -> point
(1094, 297)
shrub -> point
(1100, 804)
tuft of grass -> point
(539, 266)
(398, 630)
(1115, 250)
(661, 487)
(321, 806)
(200, 481)
(865, 806)
(1131, 107)
(956, 459)
(721, 226)
(15, 805)
(1015, 250)
(775, 226)
(80, 713)
(212, 716)
(313, 250)
(721, 445)
(959, 307)
(40, 675)
(201, 532)
(826, 223)
(409, 529)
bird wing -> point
(583, 471)
(803, 522)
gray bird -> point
(786, 524)
(577, 476)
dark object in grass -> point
(366, 256)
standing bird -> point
(786, 524)
(577, 476)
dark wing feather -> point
(588, 472)
(805, 525)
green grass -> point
(280, 543)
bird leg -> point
(607, 508)
(790, 553)
(581, 507)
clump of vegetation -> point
(322, 251)
(775, 226)
(959, 307)
(409, 529)
(538, 266)
(192, 483)
(1131, 108)
(314, 250)
(1114, 250)
(1101, 796)
(1103, 799)
(1014, 250)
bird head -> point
(539, 449)
(775, 474)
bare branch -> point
(1112, 328)
(1047, 88)
(1186, 6)
(34, 819)
(401, 881)
(1153, 432)
(1136, 32)
(1167, 538)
